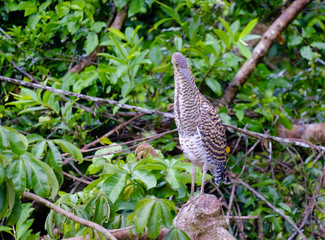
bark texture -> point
(202, 218)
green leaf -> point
(117, 33)
(227, 27)
(2, 173)
(114, 185)
(39, 148)
(294, 40)
(68, 147)
(15, 211)
(285, 121)
(223, 36)
(154, 221)
(91, 42)
(142, 213)
(39, 179)
(135, 7)
(52, 179)
(97, 27)
(17, 142)
(249, 27)
(146, 177)
(244, 50)
(285, 207)
(319, 45)
(307, 53)
(19, 174)
(214, 85)
(54, 156)
(23, 223)
(6, 229)
(172, 177)
(155, 55)
(176, 233)
(178, 43)
(240, 114)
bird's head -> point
(180, 65)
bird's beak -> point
(185, 73)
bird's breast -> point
(193, 148)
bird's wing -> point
(214, 139)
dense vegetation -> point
(48, 141)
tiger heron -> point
(201, 132)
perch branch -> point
(67, 214)
(262, 47)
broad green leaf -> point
(108, 154)
(161, 21)
(4, 203)
(176, 233)
(172, 177)
(53, 181)
(178, 43)
(249, 27)
(240, 114)
(143, 214)
(18, 142)
(97, 27)
(319, 45)
(114, 185)
(39, 179)
(135, 7)
(155, 55)
(227, 27)
(285, 207)
(91, 42)
(154, 221)
(223, 36)
(214, 85)
(294, 40)
(307, 53)
(146, 177)
(68, 147)
(285, 121)
(54, 156)
(244, 50)
(19, 174)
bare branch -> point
(262, 47)
(82, 96)
(67, 214)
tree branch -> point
(67, 214)
(82, 96)
(262, 47)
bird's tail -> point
(219, 172)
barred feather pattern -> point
(201, 132)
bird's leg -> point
(193, 179)
(204, 170)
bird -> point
(202, 135)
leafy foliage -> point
(40, 131)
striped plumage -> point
(201, 132)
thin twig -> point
(74, 178)
(238, 180)
(67, 214)
(112, 131)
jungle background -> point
(86, 121)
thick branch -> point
(117, 24)
(67, 214)
(262, 47)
